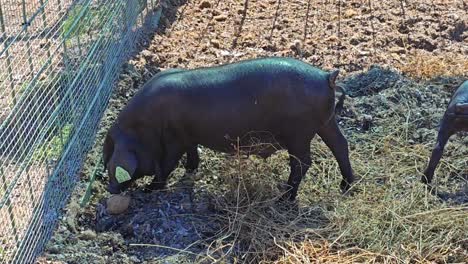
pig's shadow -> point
(162, 224)
(457, 198)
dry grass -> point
(389, 217)
(324, 252)
(425, 65)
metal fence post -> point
(44, 22)
(8, 204)
(28, 41)
(7, 54)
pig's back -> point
(280, 96)
(275, 83)
(461, 94)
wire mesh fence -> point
(58, 62)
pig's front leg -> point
(444, 134)
(193, 160)
(169, 160)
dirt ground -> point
(400, 62)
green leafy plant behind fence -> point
(58, 62)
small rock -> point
(44, 44)
(366, 122)
(220, 18)
(147, 53)
(350, 13)
(296, 45)
(205, 4)
(117, 204)
(355, 41)
(397, 50)
(332, 39)
(363, 53)
(87, 235)
(53, 249)
(215, 43)
(395, 56)
(181, 60)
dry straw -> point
(425, 65)
(388, 218)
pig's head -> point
(124, 161)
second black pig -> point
(454, 120)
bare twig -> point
(306, 22)
(275, 19)
(402, 6)
(339, 32)
(372, 27)
(241, 24)
(165, 247)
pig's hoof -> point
(287, 198)
(345, 186)
(287, 195)
(425, 180)
(287, 202)
(283, 188)
(431, 189)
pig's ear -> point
(125, 163)
(340, 104)
(332, 78)
(107, 149)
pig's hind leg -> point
(337, 143)
(299, 161)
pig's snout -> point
(114, 188)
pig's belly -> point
(262, 143)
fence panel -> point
(58, 62)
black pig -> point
(454, 120)
(274, 103)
